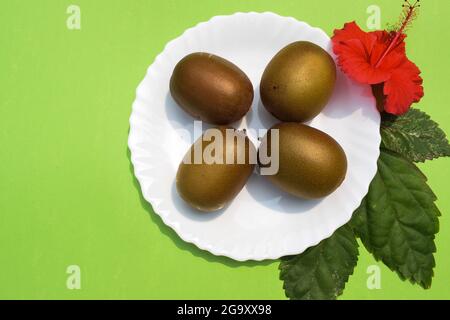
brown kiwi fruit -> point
(208, 186)
(298, 82)
(211, 88)
(311, 163)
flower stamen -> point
(408, 16)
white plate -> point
(262, 222)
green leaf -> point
(414, 135)
(321, 271)
(397, 220)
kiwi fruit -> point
(211, 182)
(298, 82)
(311, 163)
(211, 88)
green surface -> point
(67, 193)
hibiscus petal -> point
(396, 55)
(350, 31)
(354, 48)
(403, 88)
(353, 59)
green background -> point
(67, 192)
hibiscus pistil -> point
(409, 14)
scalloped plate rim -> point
(162, 212)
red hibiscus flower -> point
(379, 58)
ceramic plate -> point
(262, 222)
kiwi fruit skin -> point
(210, 187)
(312, 164)
(298, 82)
(211, 88)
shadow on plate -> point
(168, 232)
(265, 119)
(269, 195)
(189, 212)
(181, 120)
(342, 106)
